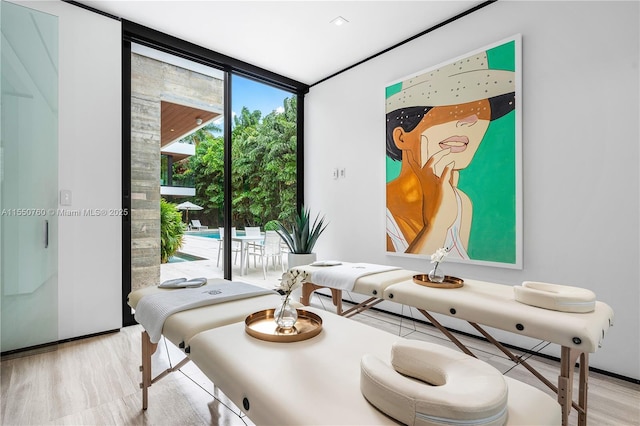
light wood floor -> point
(95, 381)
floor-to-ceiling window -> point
(175, 107)
(191, 148)
(264, 164)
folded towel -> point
(154, 309)
(183, 283)
(343, 277)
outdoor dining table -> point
(244, 240)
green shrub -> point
(272, 225)
(171, 230)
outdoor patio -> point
(207, 248)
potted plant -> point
(302, 237)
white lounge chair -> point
(195, 224)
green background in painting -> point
(490, 179)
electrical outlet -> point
(343, 173)
(335, 174)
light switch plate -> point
(65, 197)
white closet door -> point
(88, 236)
(29, 128)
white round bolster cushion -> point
(555, 297)
(428, 384)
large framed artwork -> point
(453, 159)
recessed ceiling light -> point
(339, 21)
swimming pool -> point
(214, 233)
(183, 257)
(206, 234)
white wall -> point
(580, 154)
(89, 165)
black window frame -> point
(136, 33)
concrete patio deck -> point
(207, 248)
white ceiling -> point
(291, 38)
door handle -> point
(46, 234)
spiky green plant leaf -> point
(303, 234)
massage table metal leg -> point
(361, 307)
(515, 359)
(447, 333)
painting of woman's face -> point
(441, 189)
(459, 128)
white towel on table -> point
(154, 309)
(343, 277)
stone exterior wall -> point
(151, 82)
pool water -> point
(183, 257)
(206, 234)
(215, 234)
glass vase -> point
(285, 316)
(436, 275)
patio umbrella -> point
(188, 205)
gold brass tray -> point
(449, 281)
(262, 325)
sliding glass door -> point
(195, 160)
(263, 169)
(178, 157)
(29, 174)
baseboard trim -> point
(48, 347)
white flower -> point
(439, 255)
(292, 280)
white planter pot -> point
(295, 259)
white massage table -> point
(320, 374)
(180, 327)
(492, 305)
(317, 381)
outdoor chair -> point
(252, 231)
(268, 249)
(195, 224)
(235, 245)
